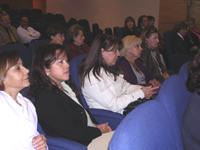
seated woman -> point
(130, 63)
(151, 57)
(191, 123)
(102, 84)
(59, 111)
(55, 34)
(77, 45)
(129, 26)
(18, 127)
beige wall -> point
(18, 4)
(194, 11)
(39, 4)
(107, 13)
(171, 11)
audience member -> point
(143, 24)
(8, 32)
(191, 123)
(182, 43)
(56, 34)
(151, 57)
(25, 32)
(193, 27)
(77, 43)
(131, 64)
(59, 111)
(18, 127)
(129, 26)
(102, 84)
(151, 21)
(193, 34)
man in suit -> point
(182, 40)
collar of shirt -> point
(180, 35)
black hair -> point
(43, 59)
(94, 60)
(54, 29)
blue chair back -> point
(74, 76)
(34, 45)
(56, 143)
(183, 72)
(23, 51)
(174, 96)
(147, 127)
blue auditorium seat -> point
(147, 127)
(183, 72)
(23, 51)
(174, 96)
(56, 143)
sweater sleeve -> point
(57, 120)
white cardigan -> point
(107, 93)
(18, 123)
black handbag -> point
(133, 105)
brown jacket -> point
(4, 36)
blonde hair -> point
(129, 41)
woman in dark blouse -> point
(77, 44)
(59, 110)
(131, 65)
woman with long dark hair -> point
(152, 58)
(59, 111)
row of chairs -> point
(57, 143)
(26, 52)
(156, 124)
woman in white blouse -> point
(18, 127)
(102, 84)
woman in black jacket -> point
(59, 110)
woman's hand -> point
(104, 127)
(154, 83)
(165, 75)
(39, 142)
(149, 91)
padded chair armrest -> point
(55, 143)
(103, 116)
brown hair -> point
(7, 60)
(74, 32)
